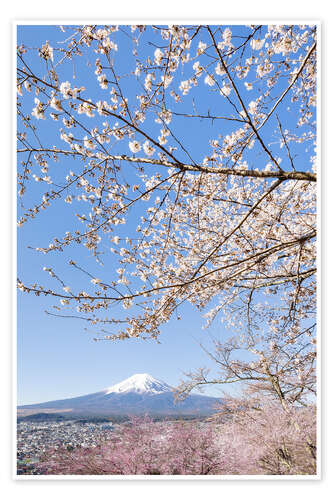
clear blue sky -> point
(56, 357)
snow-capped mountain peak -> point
(140, 383)
(140, 394)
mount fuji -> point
(137, 395)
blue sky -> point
(56, 357)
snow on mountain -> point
(140, 394)
(140, 383)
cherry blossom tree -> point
(143, 447)
(281, 367)
(259, 436)
(186, 157)
(271, 443)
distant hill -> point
(41, 417)
(138, 395)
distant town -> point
(95, 418)
(34, 438)
(38, 434)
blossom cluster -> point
(218, 207)
(264, 441)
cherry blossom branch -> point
(236, 172)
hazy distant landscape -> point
(140, 394)
(38, 434)
(96, 418)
